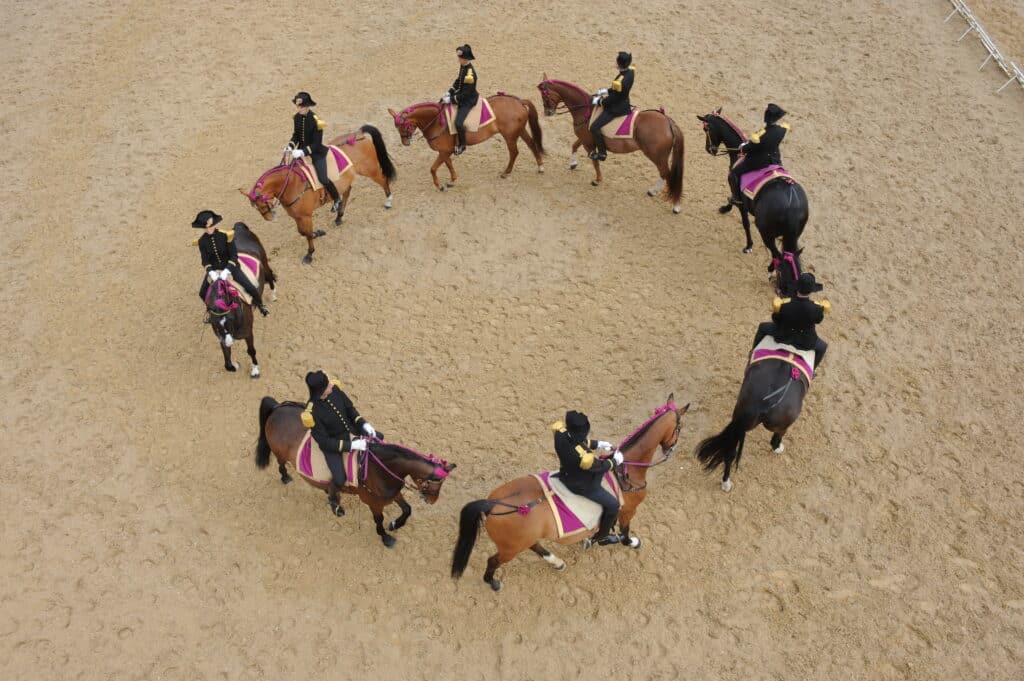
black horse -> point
(771, 395)
(780, 210)
(230, 317)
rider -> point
(615, 101)
(334, 420)
(762, 150)
(463, 93)
(794, 319)
(220, 256)
(582, 472)
(308, 140)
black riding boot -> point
(734, 184)
(333, 191)
(460, 145)
(819, 352)
(600, 152)
(339, 478)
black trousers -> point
(460, 115)
(769, 329)
(609, 507)
(736, 173)
(240, 279)
(602, 120)
(337, 467)
(320, 165)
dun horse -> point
(780, 209)
(229, 315)
(286, 186)
(512, 116)
(655, 134)
(517, 519)
(387, 466)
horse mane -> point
(572, 86)
(735, 128)
(292, 403)
(631, 440)
(413, 107)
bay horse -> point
(780, 210)
(655, 134)
(229, 315)
(512, 115)
(386, 465)
(522, 519)
(772, 394)
(286, 186)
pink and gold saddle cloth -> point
(574, 514)
(480, 115)
(311, 464)
(338, 163)
(618, 128)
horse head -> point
(549, 97)
(428, 472)
(263, 199)
(714, 135)
(224, 311)
(668, 442)
(406, 124)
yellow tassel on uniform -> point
(307, 416)
(586, 458)
(778, 303)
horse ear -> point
(702, 119)
(685, 409)
(718, 110)
(392, 112)
(545, 75)
(449, 467)
(243, 193)
(671, 397)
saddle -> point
(574, 514)
(480, 115)
(802, 360)
(311, 464)
(753, 182)
(618, 128)
(338, 163)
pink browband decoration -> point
(671, 406)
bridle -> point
(622, 470)
(545, 95)
(713, 149)
(220, 304)
(265, 204)
(429, 486)
(408, 128)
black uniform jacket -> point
(218, 250)
(579, 469)
(763, 148)
(309, 134)
(463, 90)
(335, 420)
(617, 101)
(795, 319)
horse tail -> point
(795, 217)
(469, 526)
(723, 448)
(675, 173)
(386, 166)
(535, 129)
(267, 406)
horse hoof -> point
(748, 251)
(594, 183)
(573, 166)
(338, 511)
(540, 169)
(495, 585)
(388, 540)
(319, 233)
(560, 566)
(308, 260)
(273, 295)
(231, 367)
(285, 479)
(337, 221)
(650, 192)
(725, 209)
(443, 187)
(727, 486)
(676, 210)
(255, 371)
(781, 448)
(503, 176)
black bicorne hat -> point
(624, 59)
(773, 113)
(577, 424)
(317, 382)
(203, 219)
(808, 284)
(465, 51)
(303, 99)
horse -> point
(227, 313)
(512, 116)
(286, 185)
(655, 134)
(522, 524)
(772, 394)
(780, 210)
(386, 467)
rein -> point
(732, 126)
(544, 88)
(439, 464)
(622, 470)
(411, 128)
(222, 291)
(269, 201)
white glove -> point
(617, 457)
(606, 446)
(357, 445)
(288, 147)
(603, 92)
(298, 153)
(595, 101)
(446, 98)
(369, 430)
(212, 274)
(224, 274)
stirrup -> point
(733, 201)
(458, 150)
(606, 540)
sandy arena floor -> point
(140, 542)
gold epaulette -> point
(470, 76)
(558, 426)
(195, 242)
(756, 137)
(335, 382)
(307, 416)
(825, 305)
(632, 68)
(778, 303)
(784, 126)
(320, 125)
(586, 458)
(230, 234)
(617, 83)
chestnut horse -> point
(512, 115)
(781, 209)
(655, 134)
(229, 316)
(523, 519)
(284, 184)
(387, 467)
